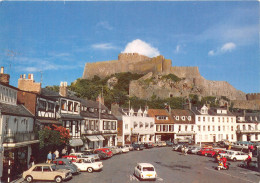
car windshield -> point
(53, 167)
(148, 169)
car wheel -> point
(29, 178)
(234, 159)
(58, 179)
(90, 170)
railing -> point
(20, 137)
(248, 131)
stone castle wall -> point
(135, 63)
(246, 104)
(253, 96)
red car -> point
(206, 151)
(107, 151)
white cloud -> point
(141, 47)
(104, 46)
(227, 47)
(177, 49)
(105, 25)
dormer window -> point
(103, 111)
(183, 118)
(91, 109)
(189, 118)
(162, 117)
(70, 106)
(76, 107)
(177, 118)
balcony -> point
(248, 131)
(19, 137)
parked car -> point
(138, 146)
(163, 144)
(194, 150)
(169, 143)
(82, 155)
(145, 171)
(148, 145)
(48, 172)
(72, 158)
(124, 149)
(88, 165)
(102, 155)
(129, 146)
(66, 164)
(91, 154)
(107, 151)
(226, 153)
(205, 151)
(237, 155)
(115, 150)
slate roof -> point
(95, 114)
(50, 93)
(15, 110)
(71, 116)
(180, 113)
(211, 111)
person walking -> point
(57, 154)
(32, 161)
(64, 151)
(49, 157)
(53, 156)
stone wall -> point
(246, 104)
(186, 72)
(253, 96)
(29, 84)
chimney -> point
(63, 89)
(29, 76)
(4, 78)
(24, 76)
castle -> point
(135, 63)
(192, 81)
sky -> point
(54, 40)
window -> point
(213, 128)
(199, 128)
(46, 169)
(113, 125)
(63, 104)
(126, 126)
(232, 128)
(208, 119)
(208, 128)
(37, 169)
(186, 127)
(165, 128)
(70, 106)
(42, 105)
(204, 128)
(212, 119)
(223, 119)
(76, 105)
(223, 128)
(171, 128)
(218, 119)
(198, 118)
(192, 127)
(227, 136)
(158, 129)
(162, 117)
(177, 118)
(109, 125)
(179, 127)
(96, 125)
(189, 118)
(50, 106)
(231, 120)
(227, 119)
(203, 118)
(183, 118)
(104, 125)
(219, 128)
(256, 136)
(91, 124)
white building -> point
(214, 124)
(16, 132)
(248, 127)
(137, 126)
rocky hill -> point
(154, 82)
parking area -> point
(171, 166)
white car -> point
(88, 165)
(227, 153)
(130, 147)
(125, 149)
(145, 171)
(237, 155)
(85, 156)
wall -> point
(246, 104)
(28, 100)
(29, 85)
(253, 96)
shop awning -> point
(76, 142)
(100, 137)
(92, 138)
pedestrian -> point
(53, 156)
(49, 157)
(72, 150)
(185, 150)
(57, 154)
(64, 151)
(32, 161)
(248, 160)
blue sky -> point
(56, 39)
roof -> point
(145, 164)
(211, 111)
(160, 112)
(50, 93)
(70, 116)
(15, 110)
(95, 114)
(182, 113)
